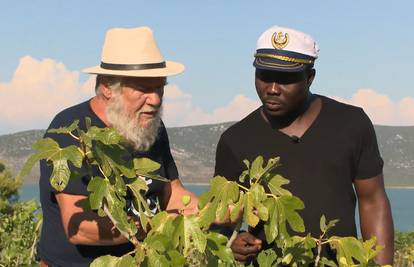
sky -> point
(366, 56)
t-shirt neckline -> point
(89, 104)
(307, 132)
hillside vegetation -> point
(194, 147)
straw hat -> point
(133, 52)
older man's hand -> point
(246, 247)
(175, 203)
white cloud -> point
(381, 109)
(179, 109)
(41, 88)
(406, 110)
(37, 91)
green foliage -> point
(187, 235)
(9, 187)
(185, 240)
(404, 249)
(111, 261)
(267, 257)
(222, 193)
(351, 251)
(19, 223)
(297, 251)
(186, 199)
(48, 149)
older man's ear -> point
(105, 91)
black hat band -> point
(110, 66)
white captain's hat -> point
(284, 49)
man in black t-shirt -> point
(129, 89)
(327, 149)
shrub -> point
(19, 223)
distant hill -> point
(194, 147)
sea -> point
(401, 199)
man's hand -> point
(174, 196)
(245, 247)
(141, 233)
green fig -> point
(186, 199)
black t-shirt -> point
(339, 146)
(53, 247)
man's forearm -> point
(376, 220)
(88, 228)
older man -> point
(129, 89)
(328, 149)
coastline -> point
(198, 184)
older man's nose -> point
(154, 99)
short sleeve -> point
(76, 186)
(226, 163)
(227, 166)
(171, 171)
(369, 162)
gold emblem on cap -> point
(280, 40)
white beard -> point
(128, 124)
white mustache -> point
(147, 109)
(128, 124)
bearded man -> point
(129, 89)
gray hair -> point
(113, 82)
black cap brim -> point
(282, 60)
(278, 65)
